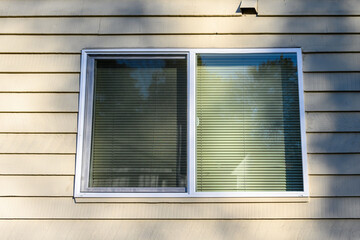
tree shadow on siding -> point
(319, 144)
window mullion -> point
(191, 123)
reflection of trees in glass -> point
(272, 93)
(281, 124)
(137, 123)
(249, 121)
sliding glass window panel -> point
(139, 135)
(248, 136)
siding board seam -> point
(54, 72)
(146, 16)
(55, 92)
(182, 15)
(35, 175)
(175, 219)
(38, 133)
(178, 34)
(38, 153)
(39, 112)
(72, 175)
(179, 202)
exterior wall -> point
(40, 43)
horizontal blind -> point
(248, 133)
(139, 124)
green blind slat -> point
(248, 137)
(139, 124)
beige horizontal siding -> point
(37, 143)
(36, 185)
(18, 63)
(115, 7)
(308, 7)
(39, 82)
(332, 81)
(38, 102)
(73, 44)
(334, 186)
(320, 186)
(320, 164)
(179, 230)
(174, 7)
(179, 25)
(333, 142)
(333, 122)
(324, 62)
(330, 101)
(331, 62)
(65, 208)
(38, 122)
(323, 164)
(64, 164)
(334, 163)
(23, 164)
(162, 229)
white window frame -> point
(191, 147)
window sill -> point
(304, 199)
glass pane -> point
(248, 137)
(140, 124)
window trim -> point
(86, 67)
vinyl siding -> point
(39, 83)
(175, 7)
(179, 25)
(180, 229)
(40, 44)
(310, 43)
(62, 185)
(37, 164)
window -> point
(191, 123)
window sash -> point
(248, 123)
(82, 165)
